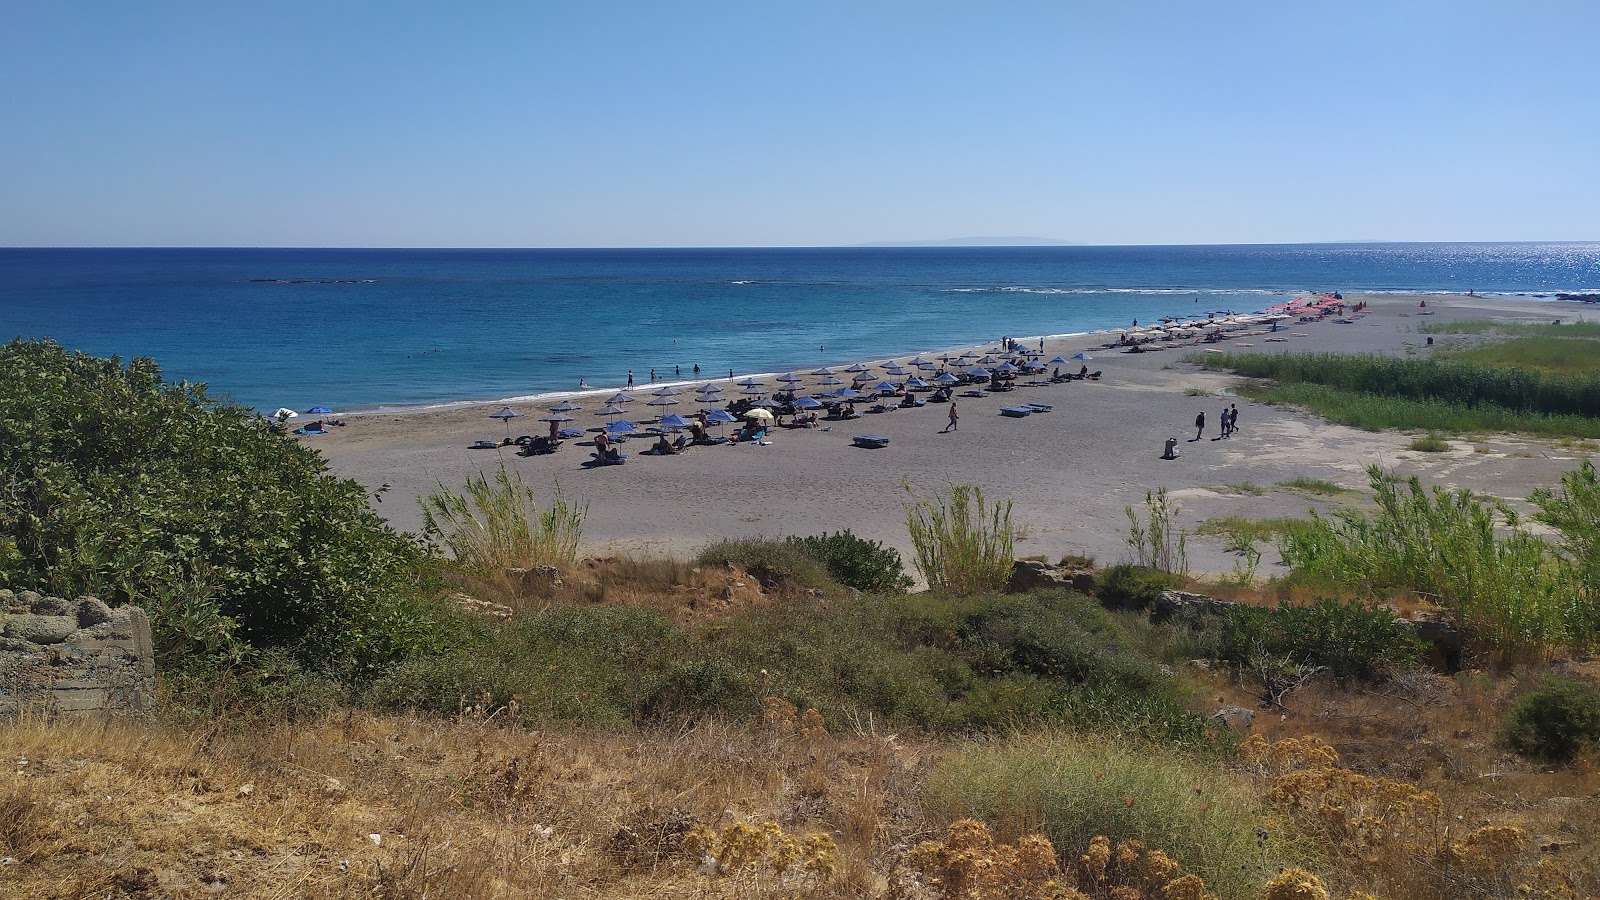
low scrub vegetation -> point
(1381, 392)
(1556, 720)
(1078, 790)
(857, 562)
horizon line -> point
(872, 245)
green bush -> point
(1555, 720)
(964, 543)
(494, 527)
(1352, 640)
(772, 562)
(123, 485)
(1074, 787)
(1134, 587)
(857, 562)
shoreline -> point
(559, 394)
(1071, 471)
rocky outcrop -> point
(74, 657)
(1032, 574)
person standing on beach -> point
(1199, 426)
(954, 419)
(630, 378)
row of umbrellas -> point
(710, 394)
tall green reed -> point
(498, 525)
(1156, 542)
(964, 542)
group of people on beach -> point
(1229, 423)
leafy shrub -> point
(123, 485)
(1456, 549)
(1431, 443)
(1134, 587)
(964, 543)
(1574, 512)
(1352, 640)
(1156, 542)
(1555, 720)
(1076, 789)
(857, 562)
(771, 562)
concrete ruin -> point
(74, 657)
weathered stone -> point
(41, 629)
(93, 611)
(51, 606)
(1032, 575)
(29, 598)
(1441, 636)
(1237, 718)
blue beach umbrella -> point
(946, 378)
(807, 403)
(318, 411)
(1005, 367)
(720, 417)
(674, 421)
(887, 387)
(917, 383)
(1058, 361)
(847, 393)
(1081, 356)
(979, 372)
(620, 426)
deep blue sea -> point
(366, 328)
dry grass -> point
(458, 808)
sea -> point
(369, 328)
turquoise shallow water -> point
(364, 328)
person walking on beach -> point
(954, 419)
(1223, 425)
(630, 378)
(1233, 418)
(1199, 426)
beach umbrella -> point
(925, 364)
(720, 417)
(790, 378)
(919, 361)
(847, 393)
(823, 371)
(620, 426)
(565, 406)
(674, 421)
(767, 403)
(1058, 361)
(709, 389)
(858, 367)
(960, 363)
(662, 401)
(970, 354)
(620, 398)
(986, 360)
(979, 372)
(1081, 356)
(946, 378)
(1005, 367)
(284, 413)
(886, 387)
(760, 415)
(830, 381)
(748, 381)
(708, 399)
(556, 417)
(917, 383)
(318, 411)
(807, 403)
(862, 376)
(666, 391)
(506, 413)
(897, 370)
(609, 410)
(754, 390)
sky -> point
(759, 123)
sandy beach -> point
(1071, 471)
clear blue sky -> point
(562, 124)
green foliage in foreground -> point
(964, 543)
(1578, 329)
(1134, 587)
(1507, 588)
(493, 527)
(927, 660)
(1075, 787)
(120, 484)
(1555, 720)
(857, 562)
(1353, 641)
(772, 562)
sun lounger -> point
(485, 445)
(974, 393)
(1016, 412)
(1040, 407)
(870, 441)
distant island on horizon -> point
(1002, 241)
